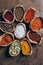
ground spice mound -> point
(34, 36)
(6, 39)
(26, 49)
(36, 24)
(29, 15)
(19, 13)
(8, 15)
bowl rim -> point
(5, 18)
(29, 45)
(15, 15)
(10, 42)
(41, 31)
(24, 26)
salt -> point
(20, 31)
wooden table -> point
(5, 59)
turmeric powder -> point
(25, 47)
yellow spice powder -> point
(25, 47)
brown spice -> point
(34, 36)
(19, 13)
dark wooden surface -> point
(5, 59)
(35, 59)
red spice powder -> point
(30, 15)
(8, 15)
(6, 39)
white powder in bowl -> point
(20, 31)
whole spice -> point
(34, 36)
(8, 16)
(36, 24)
(6, 27)
(15, 48)
(19, 13)
(5, 39)
(29, 15)
(26, 49)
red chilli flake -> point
(30, 15)
(8, 15)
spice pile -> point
(15, 48)
(36, 24)
(6, 27)
(14, 31)
(8, 16)
(29, 15)
(26, 48)
(19, 13)
(34, 36)
(5, 39)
